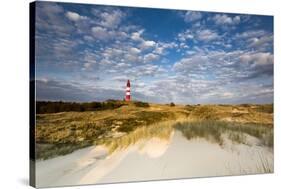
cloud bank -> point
(87, 54)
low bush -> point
(43, 107)
(141, 104)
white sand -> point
(153, 159)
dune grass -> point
(213, 131)
(264, 165)
(47, 151)
(261, 164)
(62, 133)
(203, 129)
(160, 130)
(237, 137)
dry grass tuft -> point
(213, 130)
(159, 130)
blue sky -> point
(87, 53)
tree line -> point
(43, 107)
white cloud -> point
(183, 45)
(250, 34)
(136, 36)
(90, 57)
(198, 34)
(120, 78)
(49, 19)
(122, 65)
(185, 35)
(150, 57)
(161, 47)
(62, 47)
(207, 35)
(74, 16)
(132, 58)
(147, 70)
(111, 19)
(236, 19)
(88, 38)
(223, 19)
(224, 68)
(51, 8)
(111, 53)
(147, 44)
(191, 16)
(259, 58)
(159, 50)
(105, 34)
(134, 50)
(215, 75)
(87, 65)
(143, 44)
(257, 39)
(190, 63)
(261, 41)
(100, 33)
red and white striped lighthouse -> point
(128, 91)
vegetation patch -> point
(212, 130)
(266, 108)
(161, 130)
(44, 107)
(46, 151)
(189, 107)
(63, 132)
(141, 104)
(204, 129)
(206, 112)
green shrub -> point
(43, 107)
(141, 104)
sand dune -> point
(153, 159)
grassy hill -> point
(63, 132)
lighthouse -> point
(128, 91)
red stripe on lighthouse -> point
(128, 91)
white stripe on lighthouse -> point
(128, 91)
